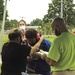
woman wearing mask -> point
(23, 27)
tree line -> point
(54, 10)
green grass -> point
(0, 68)
(4, 39)
(50, 38)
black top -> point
(14, 57)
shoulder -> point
(46, 41)
(45, 45)
(25, 47)
(5, 44)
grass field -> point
(5, 38)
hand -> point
(24, 40)
(28, 58)
(41, 38)
(43, 56)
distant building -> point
(34, 27)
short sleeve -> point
(45, 45)
(48, 45)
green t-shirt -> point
(63, 52)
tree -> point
(2, 10)
(14, 23)
(46, 28)
(55, 11)
(0, 26)
(8, 25)
(36, 22)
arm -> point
(48, 60)
(36, 55)
(36, 46)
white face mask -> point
(22, 27)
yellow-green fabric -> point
(63, 52)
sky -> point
(29, 9)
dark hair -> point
(60, 24)
(31, 33)
(15, 34)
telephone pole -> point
(22, 17)
(61, 8)
(3, 23)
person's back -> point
(64, 47)
(61, 56)
(13, 58)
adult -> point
(61, 55)
(23, 27)
(37, 65)
(14, 55)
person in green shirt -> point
(61, 56)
